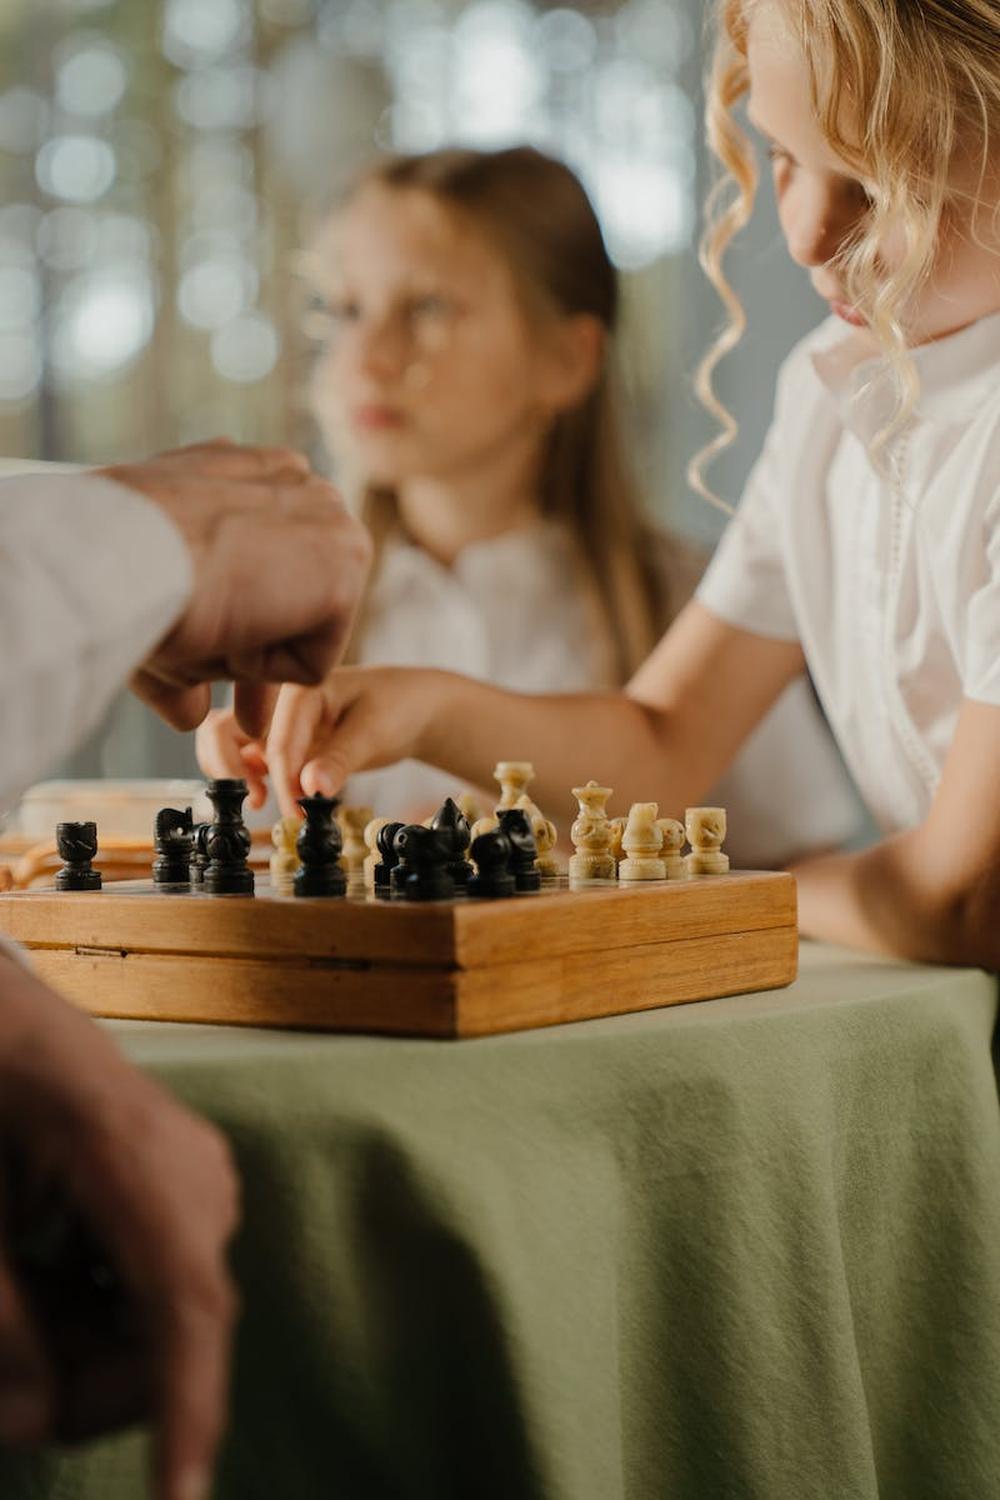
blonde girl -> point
(466, 389)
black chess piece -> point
(227, 842)
(516, 824)
(491, 854)
(77, 845)
(319, 844)
(450, 819)
(173, 844)
(199, 858)
(424, 855)
(385, 846)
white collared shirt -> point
(511, 611)
(892, 585)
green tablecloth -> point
(746, 1249)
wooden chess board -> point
(457, 968)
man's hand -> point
(279, 566)
(157, 1191)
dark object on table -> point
(424, 854)
(516, 824)
(491, 855)
(319, 844)
(451, 820)
(227, 842)
(385, 844)
(77, 845)
(173, 844)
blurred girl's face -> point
(431, 365)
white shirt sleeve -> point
(92, 576)
(746, 582)
(981, 673)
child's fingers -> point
(254, 772)
(219, 743)
(294, 729)
(352, 746)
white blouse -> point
(892, 585)
(511, 612)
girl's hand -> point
(223, 749)
(358, 719)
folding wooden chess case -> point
(458, 968)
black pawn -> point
(227, 842)
(491, 853)
(515, 823)
(424, 854)
(319, 844)
(173, 845)
(451, 820)
(199, 857)
(77, 845)
(384, 843)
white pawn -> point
(673, 843)
(372, 831)
(352, 822)
(514, 777)
(642, 841)
(617, 826)
(485, 824)
(706, 828)
(285, 860)
(546, 834)
(591, 835)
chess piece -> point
(642, 841)
(617, 828)
(373, 858)
(385, 843)
(284, 861)
(451, 821)
(227, 842)
(468, 807)
(546, 834)
(591, 835)
(515, 823)
(514, 776)
(199, 857)
(352, 822)
(424, 855)
(491, 855)
(319, 846)
(488, 823)
(173, 846)
(706, 828)
(77, 845)
(673, 843)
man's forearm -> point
(886, 900)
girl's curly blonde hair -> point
(900, 87)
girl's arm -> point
(668, 738)
(932, 893)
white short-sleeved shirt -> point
(888, 575)
(510, 611)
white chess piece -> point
(706, 828)
(352, 822)
(673, 843)
(591, 835)
(546, 835)
(285, 860)
(373, 858)
(642, 841)
(514, 776)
